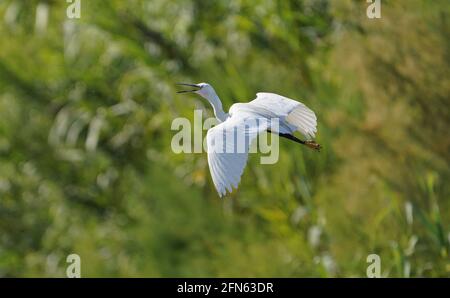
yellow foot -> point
(313, 145)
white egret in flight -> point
(227, 167)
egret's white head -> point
(203, 89)
(206, 91)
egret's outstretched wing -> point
(297, 115)
(228, 145)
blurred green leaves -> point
(86, 167)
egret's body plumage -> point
(227, 166)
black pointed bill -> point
(189, 85)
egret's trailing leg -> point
(308, 143)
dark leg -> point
(310, 144)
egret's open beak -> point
(190, 85)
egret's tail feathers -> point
(304, 120)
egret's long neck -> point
(214, 99)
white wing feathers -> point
(299, 116)
(227, 155)
(304, 120)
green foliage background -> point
(86, 167)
